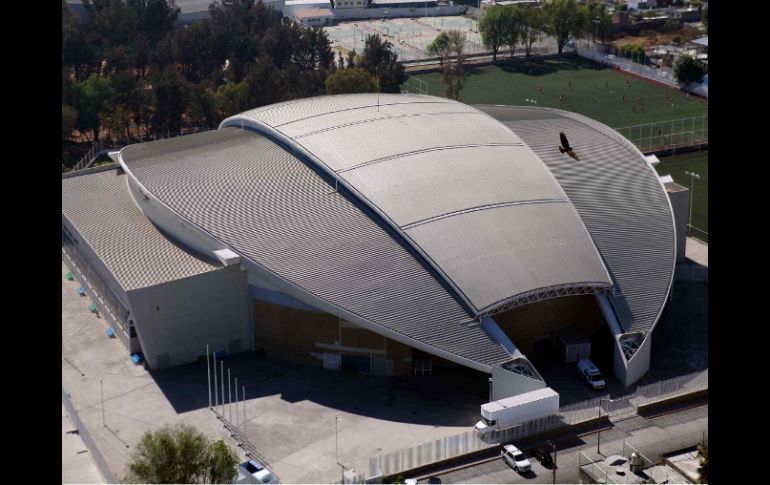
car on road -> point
(543, 456)
(516, 459)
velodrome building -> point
(375, 233)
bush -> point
(688, 70)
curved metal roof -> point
(461, 188)
(273, 209)
(619, 198)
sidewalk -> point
(76, 463)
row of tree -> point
(131, 65)
(513, 26)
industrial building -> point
(384, 234)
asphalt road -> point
(652, 436)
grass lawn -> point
(596, 92)
(697, 162)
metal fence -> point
(84, 434)
(628, 64)
(637, 64)
(469, 442)
(669, 388)
(668, 134)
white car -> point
(515, 458)
(590, 373)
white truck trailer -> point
(511, 411)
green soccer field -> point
(591, 89)
(697, 162)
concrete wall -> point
(506, 383)
(343, 14)
(175, 320)
(527, 323)
(680, 202)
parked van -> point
(591, 374)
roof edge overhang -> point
(547, 293)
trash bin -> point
(110, 333)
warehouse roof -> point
(619, 198)
(470, 197)
(100, 208)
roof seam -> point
(483, 207)
(426, 150)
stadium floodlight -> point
(692, 176)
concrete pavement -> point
(77, 466)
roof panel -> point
(99, 206)
(502, 252)
(341, 148)
(425, 185)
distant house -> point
(314, 17)
(350, 3)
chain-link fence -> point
(627, 62)
(668, 134)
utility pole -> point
(101, 388)
(599, 436)
(553, 448)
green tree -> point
(563, 19)
(704, 17)
(598, 20)
(169, 99)
(68, 118)
(91, 99)
(231, 98)
(454, 68)
(181, 454)
(379, 59)
(513, 27)
(492, 26)
(687, 70)
(352, 80)
(202, 106)
(532, 25)
(439, 47)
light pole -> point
(216, 389)
(208, 373)
(692, 176)
(229, 396)
(553, 448)
(595, 21)
(222, 381)
(101, 388)
(599, 436)
(490, 389)
(336, 449)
